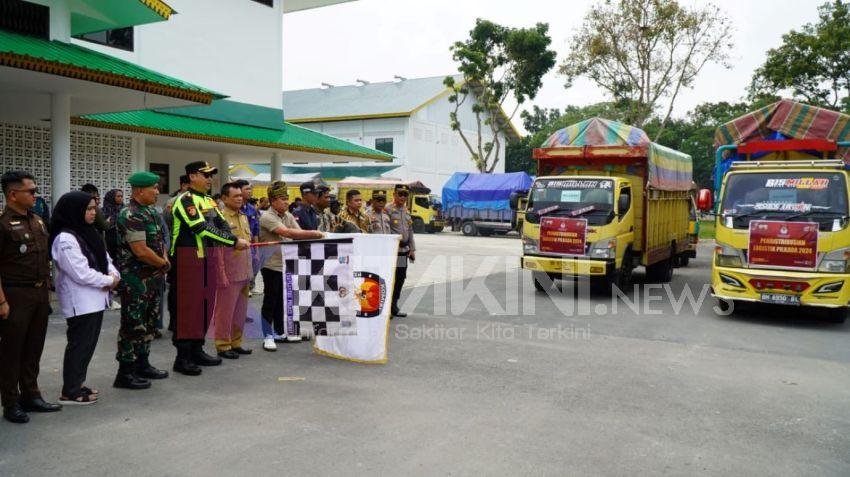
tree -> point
(539, 118)
(812, 64)
(497, 63)
(643, 52)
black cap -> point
(203, 167)
(308, 186)
(402, 188)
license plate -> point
(780, 299)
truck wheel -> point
(726, 307)
(418, 225)
(684, 260)
(836, 315)
(662, 272)
(625, 275)
(542, 281)
(469, 229)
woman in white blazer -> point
(84, 279)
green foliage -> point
(642, 52)
(812, 64)
(497, 63)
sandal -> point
(89, 392)
(81, 400)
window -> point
(384, 144)
(422, 201)
(25, 18)
(268, 3)
(121, 38)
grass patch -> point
(706, 229)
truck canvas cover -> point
(668, 169)
(483, 191)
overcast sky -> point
(376, 39)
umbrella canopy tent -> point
(667, 169)
(783, 120)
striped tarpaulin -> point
(791, 119)
(668, 169)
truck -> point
(606, 200)
(781, 230)
(480, 204)
(427, 215)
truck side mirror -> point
(705, 200)
(623, 203)
(514, 200)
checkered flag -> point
(317, 281)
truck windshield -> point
(593, 199)
(799, 196)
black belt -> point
(37, 284)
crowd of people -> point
(197, 256)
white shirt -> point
(80, 288)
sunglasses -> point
(402, 194)
(32, 191)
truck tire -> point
(469, 229)
(624, 275)
(836, 315)
(684, 260)
(726, 306)
(542, 281)
(418, 225)
(662, 272)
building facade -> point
(408, 118)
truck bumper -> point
(762, 286)
(438, 224)
(582, 267)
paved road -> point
(514, 383)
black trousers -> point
(272, 310)
(83, 332)
(400, 277)
(22, 336)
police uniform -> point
(401, 223)
(140, 289)
(198, 230)
(24, 275)
(379, 222)
(305, 214)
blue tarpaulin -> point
(490, 192)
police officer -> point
(306, 214)
(143, 263)
(198, 231)
(24, 304)
(401, 223)
(379, 221)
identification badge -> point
(27, 236)
(23, 248)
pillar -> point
(277, 158)
(60, 145)
(60, 21)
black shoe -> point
(15, 414)
(184, 366)
(130, 381)
(399, 314)
(201, 358)
(39, 405)
(229, 354)
(241, 350)
(145, 370)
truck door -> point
(625, 218)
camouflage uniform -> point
(379, 222)
(141, 284)
(328, 222)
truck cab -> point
(782, 235)
(597, 241)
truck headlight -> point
(604, 249)
(836, 261)
(529, 245)
(727, 256)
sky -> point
(374, 40)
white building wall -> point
(233, 47)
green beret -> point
(143, 179)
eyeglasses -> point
(402, 194)
(32, 191)
(207, 175)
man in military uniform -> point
(379, 221)
(353, 212)
(143, 263)
(24, 304)
(198, 230)
(306, 214)
(402, 224)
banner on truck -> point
(783, 244)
